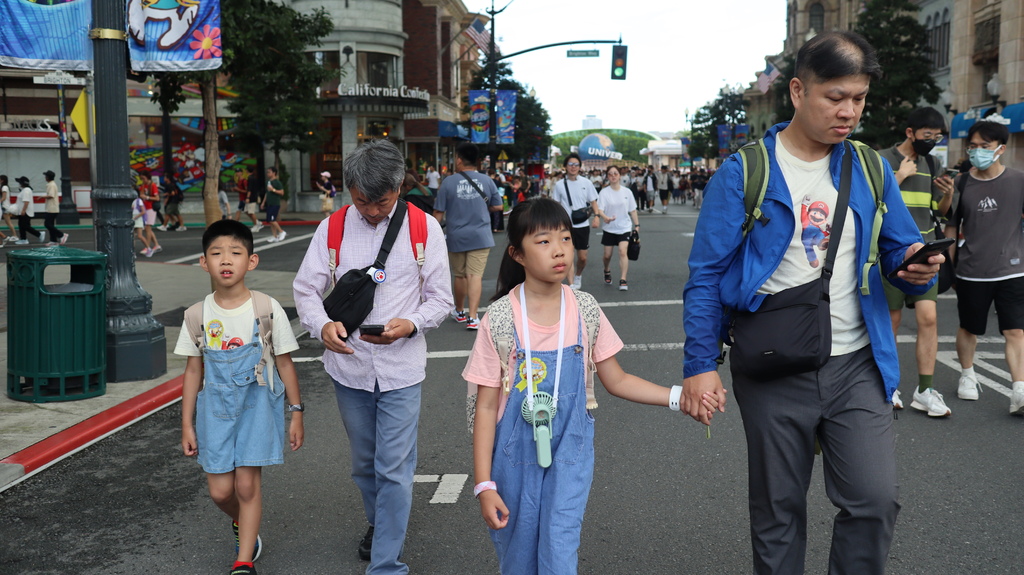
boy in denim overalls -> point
(231, 390)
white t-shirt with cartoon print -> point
(231, 328)
(814, 201)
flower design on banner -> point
(206, 43)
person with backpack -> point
(812, 355)
(377, 378)
(928, 193)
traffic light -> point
(619, 62)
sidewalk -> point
(34, 436)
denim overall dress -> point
(545, 505)
(238, 421)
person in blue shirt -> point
(843, 406)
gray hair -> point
(375, 168)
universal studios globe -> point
(597, 151)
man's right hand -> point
(908, 168)
(333, 335)
(694, 389)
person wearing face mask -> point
(928, 193)
(990, 257)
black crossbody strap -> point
(476, 187)
(839, 218)
(389, 238)
(567, 194)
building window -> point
(817, 17)
(377, 69)
(942, 55)
(330, 60)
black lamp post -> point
(136, 347)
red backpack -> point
(417, 234)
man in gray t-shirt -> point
(464, 201)
(990, 257)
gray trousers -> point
(843, 406)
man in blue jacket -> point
(845, 404)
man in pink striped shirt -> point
(377, 378)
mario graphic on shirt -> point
(816, 229)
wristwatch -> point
(299, 407)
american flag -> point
(478, 32)
(765, 79)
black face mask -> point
(923, 147)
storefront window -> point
(375, 128)
(330, 60)
(376, 69)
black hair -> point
(989, 131)
(526, 218)
(4, 181)
(565, 162)
(469, 153)
(834, 55)
(228, 228)
(273, 169)
(926, 117)
(618, 169)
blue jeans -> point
(382, 429)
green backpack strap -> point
(871, 164)
(754, 157)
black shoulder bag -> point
(581, 215)
(791, 332)
(477, 188)
(351, 299)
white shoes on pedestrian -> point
(257, 227)
(930, 401)
(280, 238)
(897, 401)
(1017, 399)
(577, 281)
(968, 389)
(42, 237)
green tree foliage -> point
(726, 109)
(264, 56)
(533, 123)
(891, 26)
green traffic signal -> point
(619, 62)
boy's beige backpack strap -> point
(501, 322)
(194, 324)
(263, 309)
(590, 311)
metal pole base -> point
(135, 352)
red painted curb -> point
(55, 446)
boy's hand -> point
(188, 441)
(493, 509)
(296, 431)
(394, 330)
(331, 334)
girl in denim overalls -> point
(533, 445)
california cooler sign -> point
(387, 92)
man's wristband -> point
(673, 398)
(484, 486)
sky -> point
(681, 53)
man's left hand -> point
(394, 330)
(920, 274)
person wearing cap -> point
(52, 210)
(327, 193)
(26, 211)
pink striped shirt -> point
(420, 294)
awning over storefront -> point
(962, 123)
(1015, 114)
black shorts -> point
(581, 237)
(613, 239)
(241, 206)
(663, 194)
(974, 299)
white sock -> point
(577, 279)
(967, 372)
(1018, 386)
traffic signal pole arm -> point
(619, 41)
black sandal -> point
(608, 277)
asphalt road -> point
(665, 499)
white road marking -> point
(449, 486)
(948, 358)
(194, 258)
(950, 339)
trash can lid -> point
(58, 254)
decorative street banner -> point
(507, 116)
(46, 35)
(174, 35)
(480, 116)
(742, 134)
(724, 135)
(163, 35)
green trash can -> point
(56, 324)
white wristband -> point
(673, 398)
(484, 486)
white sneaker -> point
(64, 238)
(272, 239)
(257, 228)
(1017, 399)
(42, 237)
(897, 401)
(931, 402)
(21, 243)
(162, 228)
(283, 235)
(968, 388)
(180, 229)
(577, 281)
(664, 209)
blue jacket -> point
(726, 271)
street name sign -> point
(59, 77)
(582, 53)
